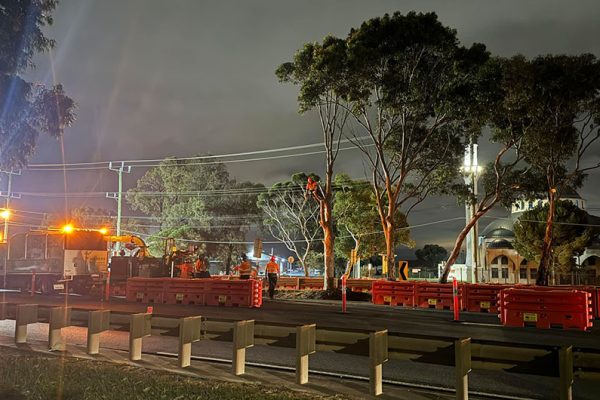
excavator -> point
(131, 257)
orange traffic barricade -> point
(393, 293)
(566, 309)
(481, 297)
(436, 295)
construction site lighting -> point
(68, 228)
(5, 213)
(103, 231)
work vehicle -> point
(53, 260)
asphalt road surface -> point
(360, 316)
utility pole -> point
(7, 196)
(118, 167)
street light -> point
(68, 228)
(5, 214)
(471, 172)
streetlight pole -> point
(7, 196)
(120, 168)
(471, 171)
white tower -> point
(471, 171)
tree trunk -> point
(543, 269)
(457, 246)
(389, 247)
(328, 243)
(228, 261)
(350, 266)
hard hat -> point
(273, 258)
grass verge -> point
(26, 375)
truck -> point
(54, 259)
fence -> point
(378, 347)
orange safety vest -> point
(200, 266)
(245, 268)
(272, 267)
(185, 270)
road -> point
(360, 316)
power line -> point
(98, 165)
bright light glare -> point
(103, 231)
(5, 213)
(68, 228)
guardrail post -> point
(243, 337)
(98, 322)
(3, 311)
(565, 366)
(139, 327)
(60, 317)
(26, 314)
(306, 340)
(189, 332)
(378, 354)
(462, 361)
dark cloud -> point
(156, 78)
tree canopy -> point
(357, 220)
(196, 201)
(570, 234)
(27, 109)
(292, 217)
(431, 255)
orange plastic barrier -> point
(436, 295)
(186, 291)
(206, 291)
(145, 290)
(288, 283)
(239, 293)
(567, 309)
(593, 291)
(305, 283)
(358, 285)
(597, 302)
(393, 293)
(481, 297)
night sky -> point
(156, 78)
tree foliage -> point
(196, 201)
(357, 220)
(570, 234)
(431, 255)
(27, 109)
(564, 110)
(320, 71)
(292, 217)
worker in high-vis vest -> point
(245, 268)
(272, 274)
(201, 269)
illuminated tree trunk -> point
(543, 269)
(326, 222)
(457, 246)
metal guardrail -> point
(463, 353)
